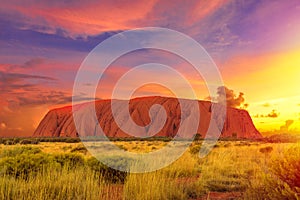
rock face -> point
(60, 122)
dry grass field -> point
(232, 170)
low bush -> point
(23, 165)
(60, 139)
(29, 141)
(281, 180)
(19, 151)
(282, 138)
(26, 161)
(109, 174)
(70, 160)
(79, 149)
(266, 150)
(9, 142)
(195, 149)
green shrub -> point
(195, 149)
(226, 185)
(29, 141)
(71, 160)
(122, 147)
(266, 150)
(109, 174)
(228, 144)
(198, 136)
(25, 161)
(17, 140)
(23, 165)
(72, 140)
(19, 150)
(60, 139)
(9, 142)
(79, 149)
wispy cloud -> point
(9, 82)
(78, 18)
(266, 105)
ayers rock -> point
(60, 123)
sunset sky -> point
(255, 44)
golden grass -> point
(140, 146)
(51, 184)
(244, 167)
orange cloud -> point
(272, 114)
(288, 123)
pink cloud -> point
(205, 8)
(93, 17)
(81, 18)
